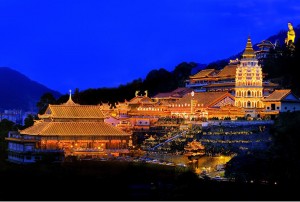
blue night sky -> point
(68, 44)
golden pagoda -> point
(249, 82)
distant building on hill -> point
(13, 115)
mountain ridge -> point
(20, 92)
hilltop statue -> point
(290, 35)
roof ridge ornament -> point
(70, 97)
(70, 101)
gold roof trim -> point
(73, 128)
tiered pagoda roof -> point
(249, 52)
(71, 119)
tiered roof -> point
(71, 119)
(249, 52)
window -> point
(248, 104)
(272, 106)
(249, 94)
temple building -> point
(263, 51)
(211, 80)
(281, 101)
(249, 82)
(206, 105)
(173, 96)
(77, 130)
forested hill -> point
(19, 92)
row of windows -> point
(249, 83)
(249, 64)
(249, 104)
(248, 93)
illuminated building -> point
(206, 105)
(77, 130)
(170, 97)
(222, 80)
(248, 82)
(281, 101)
(264, 48)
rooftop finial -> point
(70, 97)
(70, 101)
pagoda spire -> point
(249, 52)
(70, 101)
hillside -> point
(19, 92)
(279, 37)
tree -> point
(29, 121)
(45, 100)
(5, 127)
(182, 73)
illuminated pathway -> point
(168, 140)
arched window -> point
(249, 93)
(249, 104)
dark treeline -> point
(282, 65)
(157, 81)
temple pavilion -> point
(77, 130)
